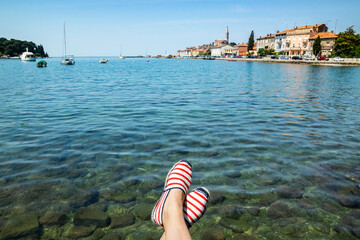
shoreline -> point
(345, 63)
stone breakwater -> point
(352, 63)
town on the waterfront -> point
(308, 42)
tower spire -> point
(227, 34)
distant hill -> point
(14, 48)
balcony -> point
(295, 48)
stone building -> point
(327, 42)
(267, 42)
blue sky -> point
(100, 28)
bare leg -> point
(163, 237)
(173, 217)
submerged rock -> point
(244, 237)
(125, 197)
(321, 228)
(254, 211)
(113, 236)
(143, 210)
(144, 235)
(122, 167)
(213, 234)
(306, 203)
(53, 218)
(85, 198)
(79, 232)
(123, 220)
(21, 226)
(217, 197)
(348, 200)
(294, 230)
(150, 183)
(237, 225)
(232, 174)
(98, 234)
(231, 212)
(88, 216)
(356, 231)
(289, 192)
(99, 206)
(355, 214)
(279, 209)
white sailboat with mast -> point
(67, 59)
(121, 56)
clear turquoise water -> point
(71, 136)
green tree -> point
(357, 51)
(15, 47)
(347, 42)
(207, 53)
(269, 51)
(232, 44)
(261, 52)
(251, 41)
(317, 46)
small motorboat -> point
(103, 60)
(28, 56)
(41, 63)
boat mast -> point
(64, 42)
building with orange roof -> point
(327, 42)
(267, 42)
(280, 39)
(297, 40)
(242, 49)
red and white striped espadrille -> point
(179, 177)
(195, 205)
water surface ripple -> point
(282, 140)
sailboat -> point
(121, 56)
(67, 59)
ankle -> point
(174, 203)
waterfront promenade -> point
(353, 62)
(331, 62)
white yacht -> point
(103, 60)
(28, 56)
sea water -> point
(277, 145)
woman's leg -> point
(173, 217)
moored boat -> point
(67, 60)
(103, 60)
(28, 56)
(41, 63)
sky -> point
(139, 27)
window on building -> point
(294, 37)
(299, 38)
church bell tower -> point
(227, 35)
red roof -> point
(325, 35)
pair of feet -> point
(175, 211)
